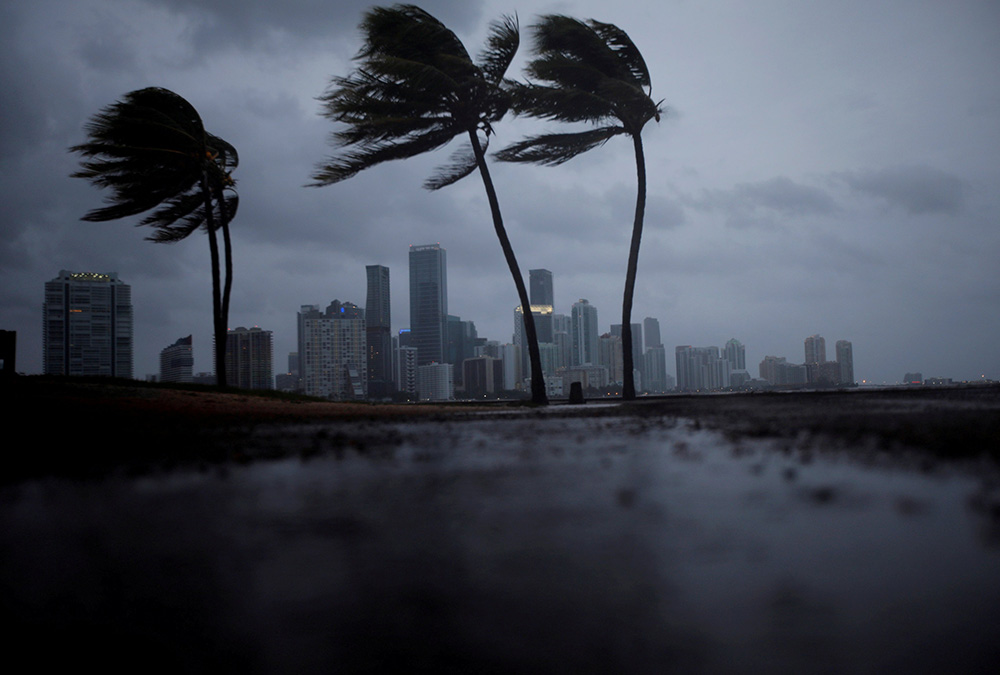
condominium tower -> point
(249, 358)
(379, 332)
(87, 325)
(428, 302)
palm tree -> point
(152, 151)
(589, 72)
(414, 90)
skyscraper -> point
(845, 360)
(177, 362)
(815, 349)
(736, 354)
(249, 358)
(540, 287)
(583, 332)
(429, 302)
(87, 325)
(651, 332)
(379, 332)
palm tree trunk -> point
(219, 327)
(628, 390)
(227, 246)
(537, 378)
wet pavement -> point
(556, 542)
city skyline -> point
(835, 176)
(582, 321)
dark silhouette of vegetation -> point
(589, 72)
(152, 151)
(414, 90)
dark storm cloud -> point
(917, 190)
(765, 203)
(244, 25)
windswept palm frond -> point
(461, 163)
(554, 149)
(501, 46)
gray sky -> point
(825, 168)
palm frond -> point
(628, 54)
(461, 163)
(555, 149)
(415, 89)
(367, 155)
(501, 46)
(560, 104)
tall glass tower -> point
(540, 287)
(379, 332)
(429, 303)
(87, 325)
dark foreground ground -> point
(194, 532)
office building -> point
(483, 376)
(542, 316)
(87, 325)
(334, 360)
(583, 333)
(651, 332)
(540, 290)
(177, 362)
(378, 332)
(429, 302)
(460, 345)
(249, 358)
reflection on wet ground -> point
(555, 543)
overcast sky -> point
(828, 168)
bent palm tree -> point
(591, 72)
(416, 89)
(152, 151)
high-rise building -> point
(378, 332)
(540, 290)
(429, 302)
(542, 316)
(87, 325)
(701, 369)
(815, 349)
(584, 333)
(334, 362)
(406, 370)
(736, 354)
(651, 332)
(460, 344)
(845, 360)
(435, 382)
(655, 369)
(177, 362)
(637, 351)
(249, 358)
(611, 356)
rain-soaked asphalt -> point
(536, 544)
